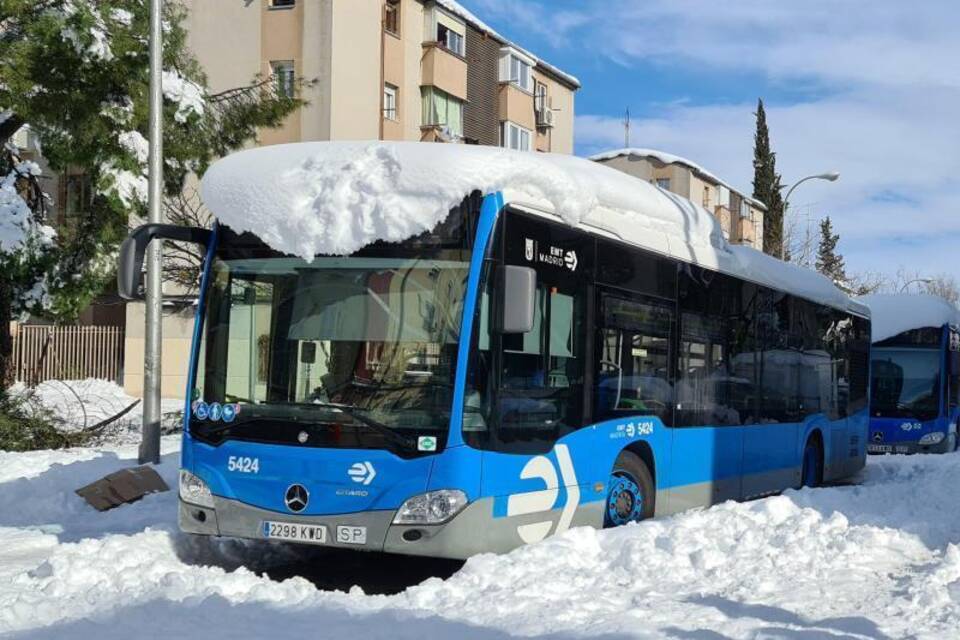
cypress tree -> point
(767, 186)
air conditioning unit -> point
(546, 118)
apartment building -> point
(740, 216)
(425, 70)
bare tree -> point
(182, 261)
(867, 282)
(945, 286)
(907, 280)
(800, 240)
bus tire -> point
(811, 474)
(631, 494)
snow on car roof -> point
(893, 314)
(335, 197)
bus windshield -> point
(906, 382)
(339, 351)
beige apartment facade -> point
(423, 70)
(740, 216)
(417, 70)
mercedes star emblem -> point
(878, 436)
(302, 437)
(296, 498)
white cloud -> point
(883, 114)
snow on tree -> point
(78, 73)
(767, 185)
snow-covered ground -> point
(878, 560)
(82, 404)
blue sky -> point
(867, 88)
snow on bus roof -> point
(892, 314)
(335, 197)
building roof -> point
(460, 11)
(335, 197)
(895, 313)
(669, 158)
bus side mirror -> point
(518, 287)
(130, 261)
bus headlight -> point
(194, 490)
(932, 438)
(433, 507)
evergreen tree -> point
(767, 186)
(829, 261)
(77, 71)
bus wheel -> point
(812, 475)
(630, 492)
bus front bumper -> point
(457, 538)
(911, 447)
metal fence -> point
(45, 352)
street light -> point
(910, 282)
(830, 176)
(150, 444)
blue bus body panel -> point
(385, 480)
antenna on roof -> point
(626, 129)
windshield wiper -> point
(355, 413)
(350, 410)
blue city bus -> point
(915, 377)
(505, 376)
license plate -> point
(348, 534)
(316, 534)
(880, 448)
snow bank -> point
(80, 404)
(879, 560)
(335, 197)
(896, 313)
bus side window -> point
(634, 359)
(541, 385)
(716, 383)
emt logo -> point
(541, 468)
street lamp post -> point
(150, 445)
(910, 282)
(831, 176)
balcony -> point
(722, 214)
(444, 70)
(516, 105)
(748, 231)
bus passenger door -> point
(633, 351)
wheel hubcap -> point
(624, 500)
